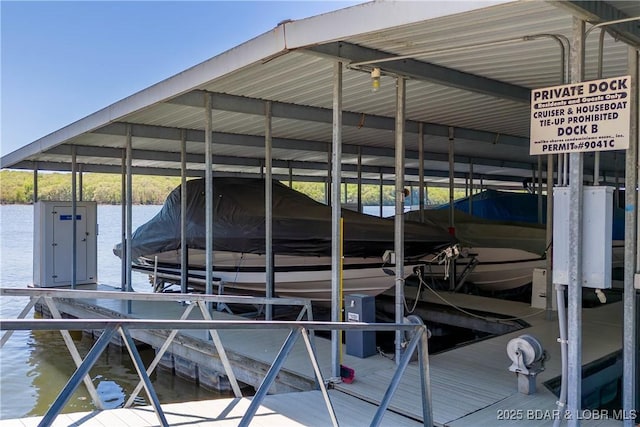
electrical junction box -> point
(53, 244)
(597, 219)
(360, 308)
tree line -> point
(16, 187)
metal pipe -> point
(35, 182)
(129, 210)
(208, 180)
(540, 190)
(74, 223)
(184, 250)
(359, 172)
(562, 327)
(452, 226)
(574, 316)
(80, 185)
(596, 160)
(470, 187)
(268, 210)
(381, 192)
(336, 214)
(549, 237)
(631, 261)
(123, 220)
(399, 213)
(421, 168)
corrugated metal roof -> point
(290, 66)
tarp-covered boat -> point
(301, 241)
(506, 252)
(505, 237)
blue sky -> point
(61, 61)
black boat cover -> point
(301, 226)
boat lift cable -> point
(468, 313)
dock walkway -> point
(470, 385)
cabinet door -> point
(63, 244)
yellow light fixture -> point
(375, 79)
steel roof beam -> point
(241, 104)
(193, 135)
(143, 170)
(596, 12)
(426, 71)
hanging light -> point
(375, 79)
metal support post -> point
(452, 278)
(268, 211)
(123, 222)
(336, 213)
(549, 238)
(208, 180)
(74, 223)
(630, 392)
(129, 210)
(381, 193)
(421, 169)
(470, 187)
(184, 250)
(35, 182)
(359, 179)
(399, 216)
(574, 312)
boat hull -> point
(294, 277)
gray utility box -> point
(597, 219)
(53, 244)
(360, 308)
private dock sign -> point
(578, 117)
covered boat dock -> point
(450, 106)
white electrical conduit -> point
(562, 325)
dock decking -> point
(471, 385)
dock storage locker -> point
(53, 243)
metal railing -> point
(416, 331)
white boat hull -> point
(295, 276)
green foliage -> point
(17, 187)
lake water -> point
(35, 366)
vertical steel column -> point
(35, 182)
(359, 179)
(574, 312)
(123, 222)
(74, 224)
(129, 209)
(470, 187)
(381, 193)
(336, 213)
(327, 184)
(399, 217)
(451, 178)
(549, 237)
(208, 183)
(452, 226)
(184, 249)
(290, 174)
(421, 169)
(539, 189)
(268, 211)
(80, 185)
(631, 260)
